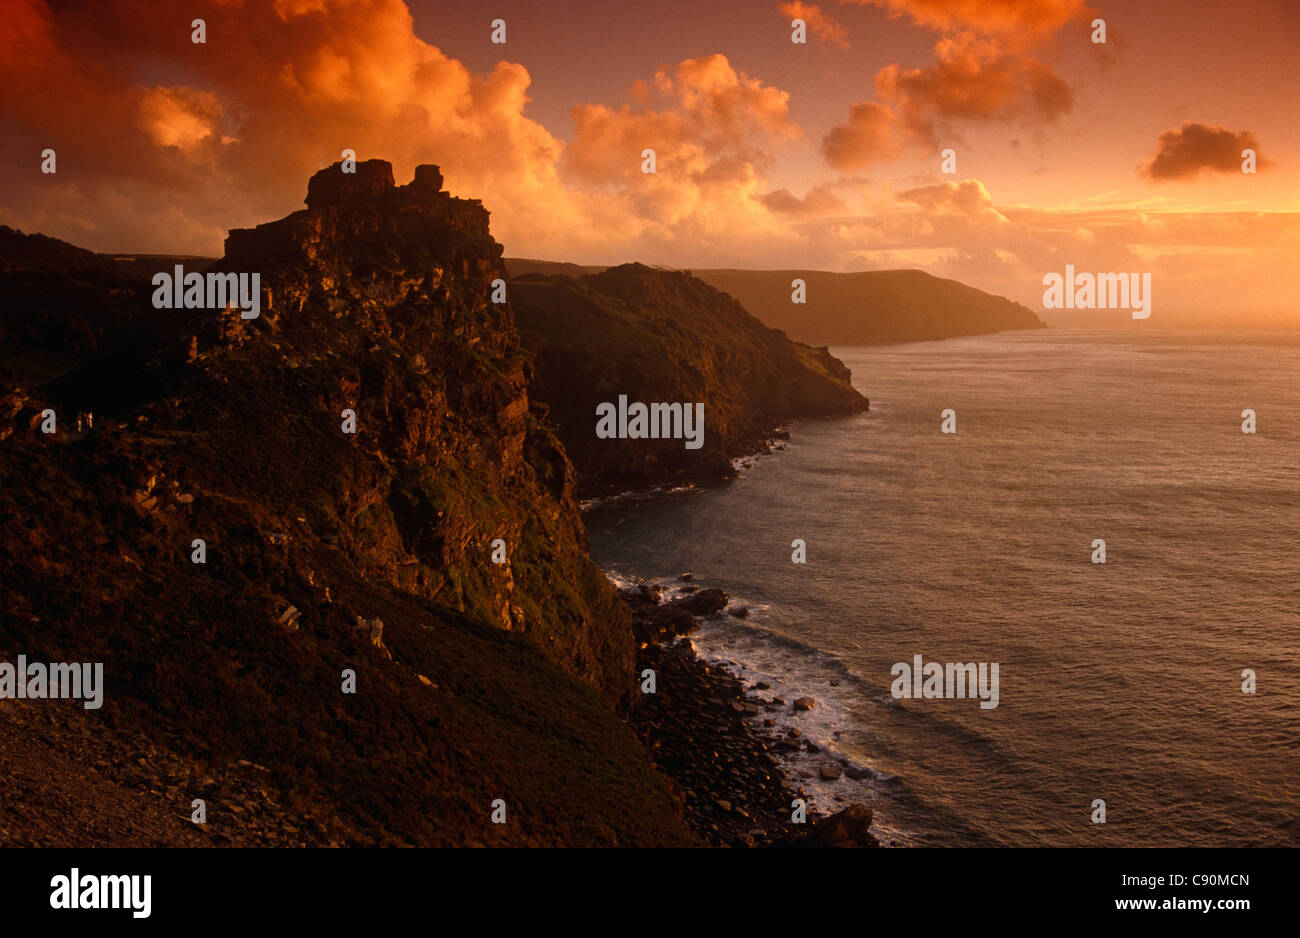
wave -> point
(635, 495)
(771, 664)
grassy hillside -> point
(519, 266)
(871, 307)
(866, 308)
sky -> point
(1117, 157)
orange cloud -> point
(232, 132)
(164, 145)
(1199, 260)
(1008, 18)
(968, 198)
(819, 201)
(1195, 148)
(983, 73)
(820, 23)
(185, 118)
(866, 137)
(710, 128)
(279, 91)
(973, 80)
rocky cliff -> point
(668, 337)
(325, 551)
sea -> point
(1150, 700)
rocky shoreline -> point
(713, 738)
(237, 497)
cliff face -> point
(872, 307)
(666, 337)
(383, 295)
(369, 551)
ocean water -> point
(1119, 682)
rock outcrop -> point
(665, 336)
(850, 827)
(471, 679)
(383, 292)
(331, 557)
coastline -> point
(717, 740)
(768, 444)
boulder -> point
(847, 828)
(665, 622)
(428, 178)
(641, 601)
(706, 602)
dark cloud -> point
(1186, 152)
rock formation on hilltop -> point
(325, 551)
(369, 637)
(402, 331)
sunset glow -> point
(1120, 156)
